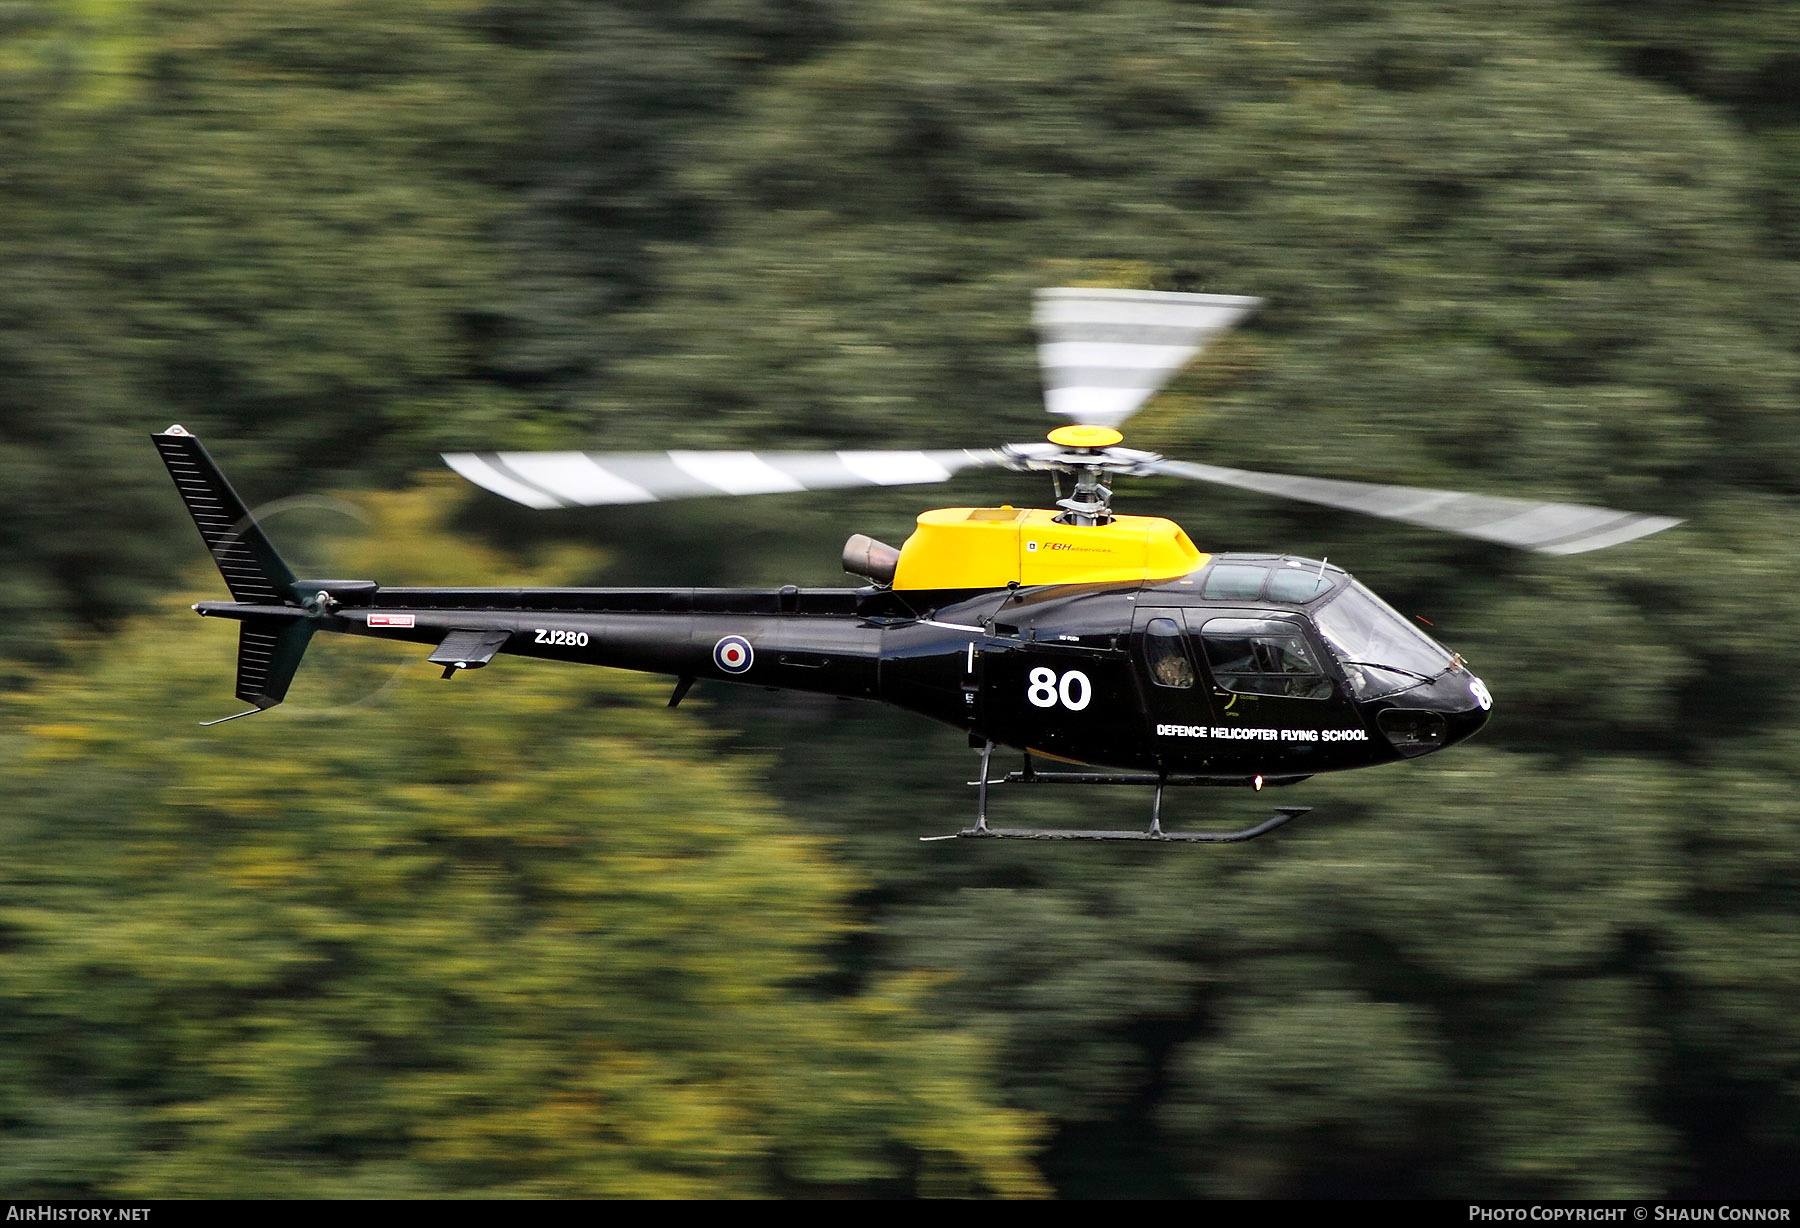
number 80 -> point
(1072, 690)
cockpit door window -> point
(1165, 649)
(1255, 656)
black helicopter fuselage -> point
(1155, 676)
(1232, 669)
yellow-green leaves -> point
(526, 933)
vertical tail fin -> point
(269, 645)
(253, 571)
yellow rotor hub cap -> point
(1085, 436)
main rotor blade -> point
(1547, 528)
(592, 479)
(1105, 352)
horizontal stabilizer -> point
(469, 649)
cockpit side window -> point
(1254, 656)
(1166, 650)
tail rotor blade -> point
(1546, 528)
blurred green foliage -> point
(1537, 249)
(533, 938)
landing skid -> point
(981, 830)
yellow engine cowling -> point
(990, 547)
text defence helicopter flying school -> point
(1106, 640)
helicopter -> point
(1106, 644)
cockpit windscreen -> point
(1381, 651)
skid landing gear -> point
(981, 830)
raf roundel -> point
(733, 654)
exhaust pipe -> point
(873, 560)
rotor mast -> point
(1091, 504)
(1092, 456)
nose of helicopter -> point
(1449, 709)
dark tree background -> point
(398, 945)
